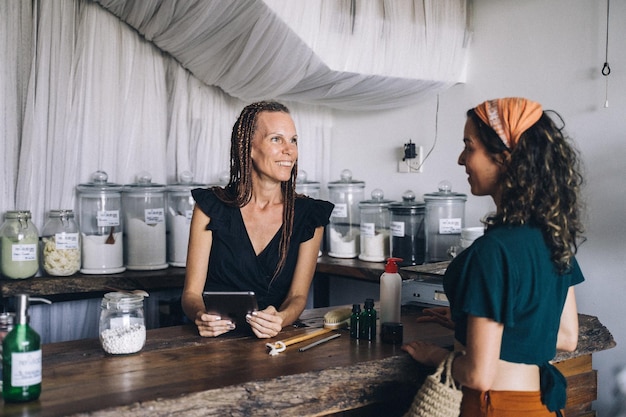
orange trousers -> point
(503, 404)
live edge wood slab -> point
(179, 373)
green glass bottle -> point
(355, 321)
(367, 330)
(21, 358)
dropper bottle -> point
(21, 356)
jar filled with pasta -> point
(60, 244)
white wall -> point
(552, 52)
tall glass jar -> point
(408, 239)
(19, 239)
(122, 325)
(180, 206)
(144, 222)
(375, 228)
(345, 221)
(60, 244)
(101, 225)
(445, 218)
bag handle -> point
(446, 365)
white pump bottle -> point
(390, 292)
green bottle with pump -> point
(21, 356)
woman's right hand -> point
(440, 315)
(210, 325)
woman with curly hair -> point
(511, 293)
(255, 234)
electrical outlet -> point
(412, 165)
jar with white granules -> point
(122, 324)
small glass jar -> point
(60, 244)
(19, 241)
(122, 325)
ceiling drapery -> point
(354, 55)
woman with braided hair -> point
(511, 293)
(255, 234)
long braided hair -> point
(238, 191)
(540, 185)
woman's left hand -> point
(265, 323)
(426, 353)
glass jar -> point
(122, 326)
(180, 206)
(310, 189)
(306, 187)
(101, 225)
(144, 221)
(19, 239)
(374, 228)
(60, 244)
(345, 221)
(445, 218)
(6, 325)
(408, 239)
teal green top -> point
(507, 275)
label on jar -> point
(24, 252)
(340, 210)
(26, 368)
(397, 229)
(188, 215)
(108, 218)
(154, 215)
(66, 241)
(368, 229)
(450, 226)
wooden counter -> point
(179, 373)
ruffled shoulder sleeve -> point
(219, 213)
(311, 214)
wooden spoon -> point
(111, 239)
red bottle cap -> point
(392, 265)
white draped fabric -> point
(353, 55)
(81, 90)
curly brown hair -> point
(541, 184)
(238, 191)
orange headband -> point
(509, 117)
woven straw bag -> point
(438, 397)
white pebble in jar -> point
(123, 340)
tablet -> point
(233, 305)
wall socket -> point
(413, 165)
